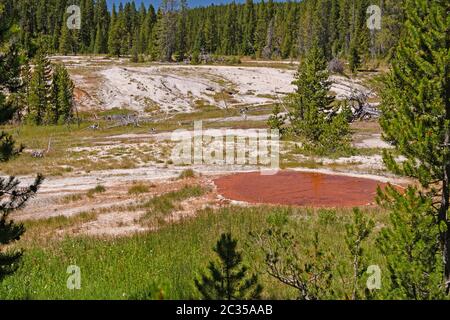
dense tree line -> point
(265, 29)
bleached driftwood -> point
(42, 152)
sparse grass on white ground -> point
(182, 88)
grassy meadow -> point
(163, 263)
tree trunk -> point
(445, 236)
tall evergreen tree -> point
(311, 97)
(135, 48)
(210, 33)
(102, 19)
(261, 29)
(393, 18)
(167, 29)
(409, 245)
(66, 40)
(416, 110)
(230, 39)
(64, 95)
(87, 31)
(182, 31)
(248, 37)
(114, 36)
(354, 59)
(12, 197)
(40, 90)
(320, 134)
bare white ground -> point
(181, 88)
(375, 141)
(115, 224)
(343, 87)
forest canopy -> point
(263, 29)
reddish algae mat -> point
(299, 189)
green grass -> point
(59, 162)
(185, 174)
(160, 206)
(71, 198)
(98, 189)
(139, 188)
(165, 262)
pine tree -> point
(66, 40)
(230, 38)
(114, 39)
(334, 29)
(64, 95)
(102, 25)
(277, 120)
(87, 31)
(387, 37)
(99, 40)
(10, 82)
(12, 197)
(410, 247)
(25, 75)
(261, 29)
(53, 108)
(354, 58)
(135, 48)
(40, 101)
(416, 111)
(167, 29)
(355, 234)
(320, 133)
(311, 97)
(210, 34)
(228, 279)
(268, 49)
(154, 42)
(124, 29)
(321, 21)
(248, 38)
(182, 31)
